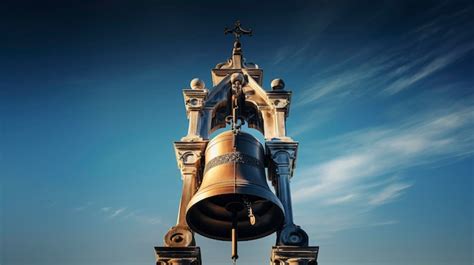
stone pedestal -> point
(178, 255)
(290, 255)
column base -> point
(178, 255)
(292, 235)
(179, 236)
(291, 255)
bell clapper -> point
(234, 208)
(235, 256)
(250, 211)
(252, 217)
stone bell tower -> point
(229, 185)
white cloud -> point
(117, 212)
(132, 215)
(389, 193)
(151, 220)
(432, 67)
(360, 156)
(364, 168)
(141, 217)
(343, 79)
(123, 214)
(310, 31)
(83, 207)
(342, 199)
(389, 68)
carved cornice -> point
(194, 99)
(178, 255)
(294, 255)
(219, 74)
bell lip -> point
(200, 195)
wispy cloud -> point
(117, 212)
(341, 199)
(389, 193)
(315, 117)
(121, 213)
(325, 222)
(369, 168)
(311, 33)
(437, 63)
(344, 79)
(83, 207)
(141, 217)
(364, 154)
(390, 68)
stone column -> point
(188, 155)
(178, 255)
(280, 99)
(288, 255)
(194, 99)
(282, 157)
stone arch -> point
(218, 115)
(259, 111)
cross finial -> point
(238, 31)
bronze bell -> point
(234, 192)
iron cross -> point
(238, 31)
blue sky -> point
(91, 101)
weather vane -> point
(238, 31)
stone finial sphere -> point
(277, 84)
(197, 83)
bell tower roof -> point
(236, 62)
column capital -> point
(282, 156)
(281, 100)
(194, 99)
(276, 148)
(188, 156)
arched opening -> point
(253, 117)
